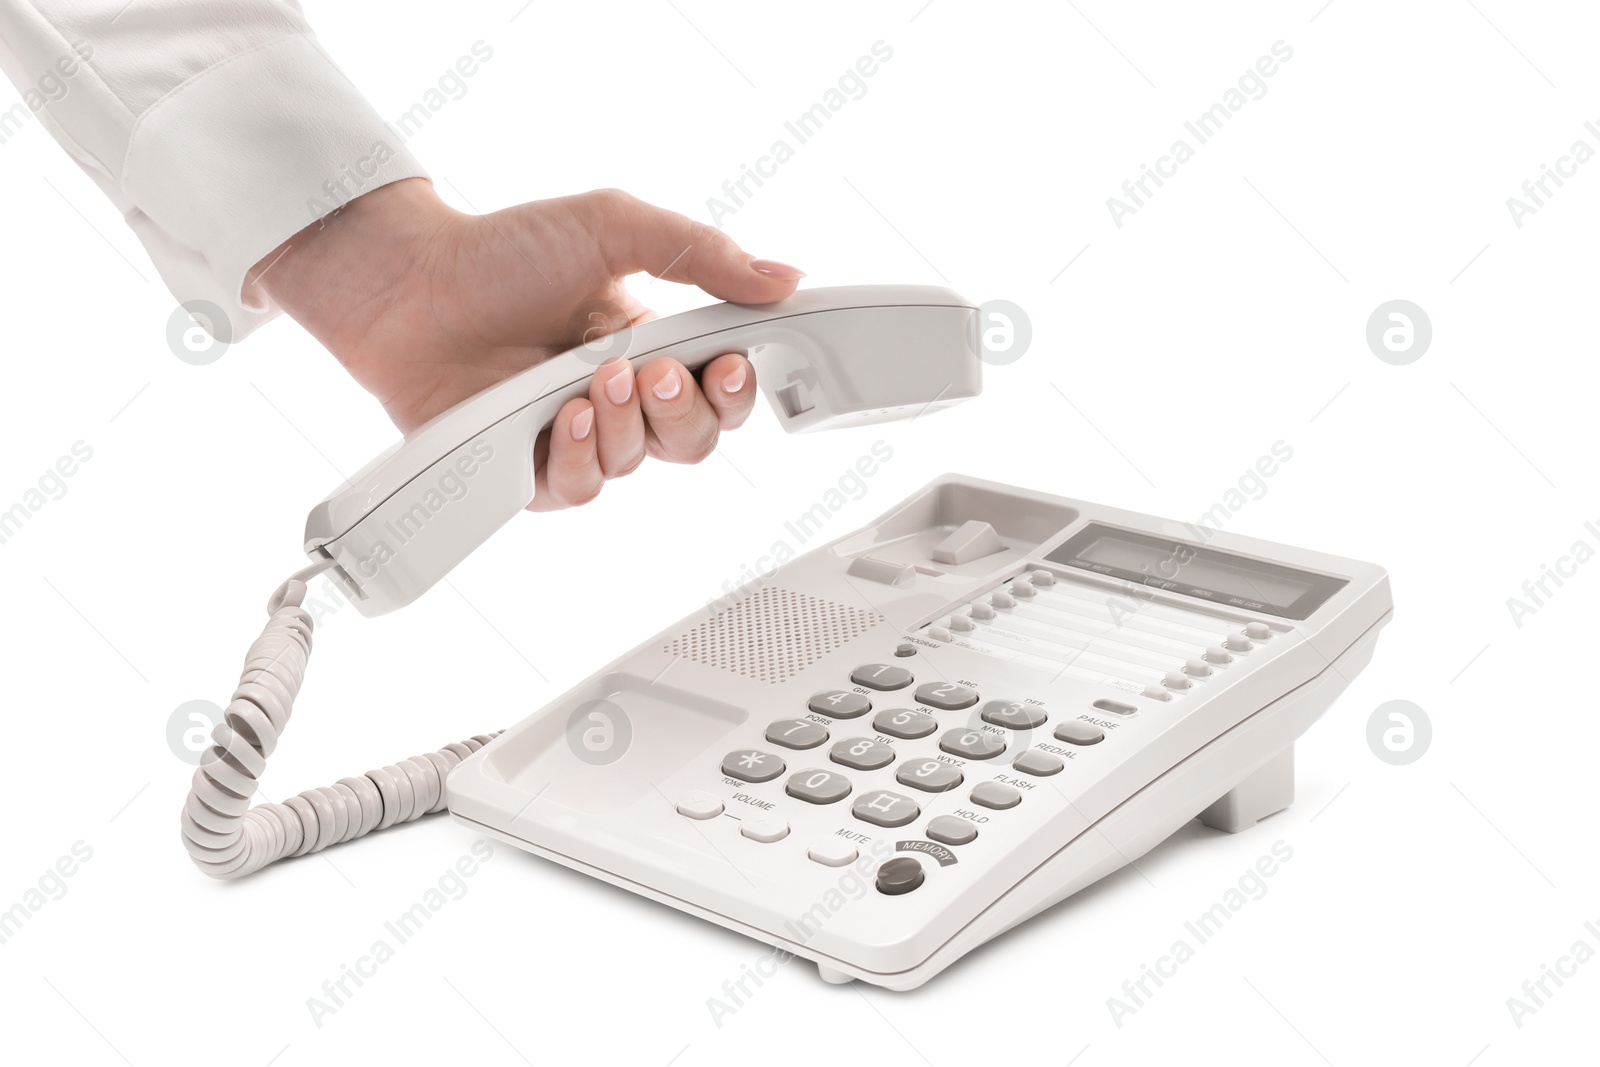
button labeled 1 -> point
(881, 676)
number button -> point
(904, 723)
(974, 744)
(881, 676)
(796, 733)
(748, 765)
(1013, 713)
(946, 696)
(885, 809)
(862, 753)
(839, 704)
(817, 786)
(929, 775)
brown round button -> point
(898, 876)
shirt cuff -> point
(240, 158)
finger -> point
(571, 472)
(619, 424)
(729, 386)
(681, 425)
(636, 236)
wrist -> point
(336, 275)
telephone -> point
(891, 750)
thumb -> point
(636, 236)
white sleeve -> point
(219, 128)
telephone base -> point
(1268, 790)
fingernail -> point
(582, 423)
(668, 387)
(620, 386)
(735, 381)
(773, 269)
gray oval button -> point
(929, 775)
(974, 744)
(995, 795)
(862, 753)
(881, 676)
(884, 808)
(842, 704)
(904, 723)
(946, 696)
(817, 786)
(949, 830)
(796, 733)
(1039, 764)
(1013, 713)
(750, 765)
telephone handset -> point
(827, 357)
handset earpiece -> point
(825, 358)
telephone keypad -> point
(916, 771)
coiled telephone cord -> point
(227, 837)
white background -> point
(1227, 314)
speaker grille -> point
(773, 635)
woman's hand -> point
(426, 306)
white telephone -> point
(896, 747)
